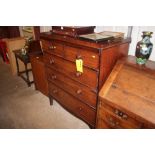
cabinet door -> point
(38, 70)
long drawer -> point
(116, 122)
(116, 118)
(88, 77)
(75, 88)
(90, 57)
(76, 107)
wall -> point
(45, 28)
(136, 36)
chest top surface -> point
(79, 42)
(132, 88)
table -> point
(25, 59)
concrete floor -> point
(22, 107)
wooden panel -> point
(108, 58)
(69, 69)
(76, 89)
(130, 79)
(38, 70)
(73, 105)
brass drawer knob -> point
(112, 122)
(121, 114)
(125, 116)
(50, 47)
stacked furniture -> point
(78, 91)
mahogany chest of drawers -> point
(75, 91)
(127, 99)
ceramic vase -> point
(144, 48)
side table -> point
(25, 59)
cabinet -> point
(127, 99)
(75, 91)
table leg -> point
(17, 66)
(27, 75)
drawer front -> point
(88, 77)
(119, 114)
(115, 122)
(73, 105)
(121, 118)
(53, 47)
(76, 89)
(90, 58)
(101, 124)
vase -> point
(144, 48)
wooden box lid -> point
(131, 87)
(72, 31)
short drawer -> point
(89, 77)
(90, 57)
(75, 88)
(53, 47)
(76, 107)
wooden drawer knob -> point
(55, 91)
(80, 108)
(78, 74)
(79, 91)
(51, 61)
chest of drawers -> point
(75, 91)
(127, 98)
